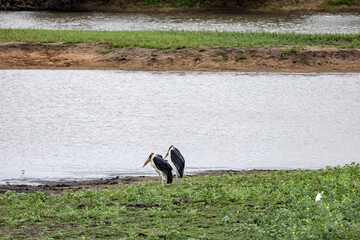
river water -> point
(302, 23)
(71, 124)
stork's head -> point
(149, 159)
(168, 151)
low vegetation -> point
(341, 2)
(242, 55)
(267, 205)
(283, 56)
(180, 39)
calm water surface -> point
(88, 124)
(302, 23)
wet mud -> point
(60, 186)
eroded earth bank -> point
(88, 56)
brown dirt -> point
(257, 6)
(88, 56)
(59, 186)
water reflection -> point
(88, 124)
(303, 23)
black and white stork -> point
(161, 166)
(178, 160)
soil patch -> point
(88, 56)
(270, 6)
(59, 186)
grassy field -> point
(180, 39)
(268, 205)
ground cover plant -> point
(177, 39)
(266, 205)
(342, 2)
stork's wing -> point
(178, 160)
(164, 167)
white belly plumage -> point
(158, 171)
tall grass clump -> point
(267, 205)
(178, 39)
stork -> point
(161, 166)
(178, 160)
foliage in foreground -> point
(268, 205)
(180, 39)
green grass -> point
(242, 55)
(180, 39)
(283, 56)
(105, 50)
(268, 205)
(342, 2)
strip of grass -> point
(342, 2)
(180, 39)
(269, 205)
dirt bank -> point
(87, 56)
(272, 6)
(58, 187)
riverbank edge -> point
(263, 10)
(17, 55)
(225, 6)
(57, 187)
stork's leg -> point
(159, 180)
(163, 182)
(176, 178)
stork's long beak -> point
(167, 153)
(147, 161)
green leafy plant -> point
(242, 55)
(294, 49)
(283, 56)
(105, 50)
(343, 2)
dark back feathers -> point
(178, 160)
(163, 166)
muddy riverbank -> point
(88, 56)
(58, 186)
(269, 6)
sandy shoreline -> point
(56, 187)
(101, 57)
